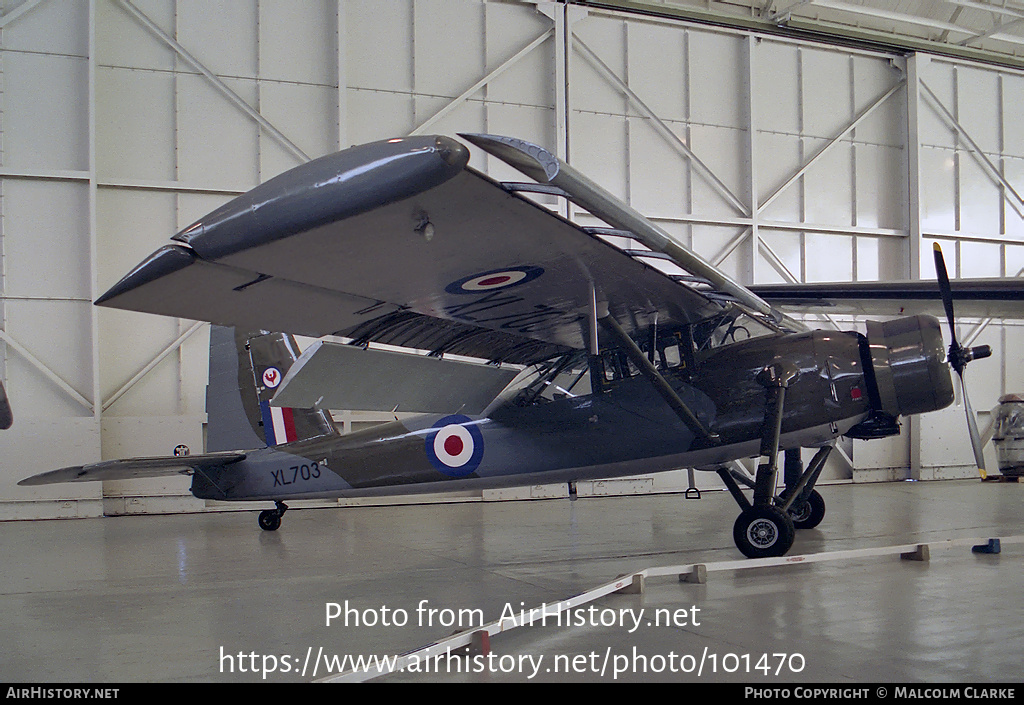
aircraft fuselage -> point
(622, 428)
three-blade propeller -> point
(958, 357)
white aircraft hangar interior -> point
(782, 141)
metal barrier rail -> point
(632, 583)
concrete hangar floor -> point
(210, 597)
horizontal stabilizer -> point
(134, 468)
(335, 376)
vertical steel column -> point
(912, 267)
(751, 158)
(97, 411)
(563, 50)
(563, 16)
(915, 63)
(342, 75)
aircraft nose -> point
(908, 358)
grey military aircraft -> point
(551, 354)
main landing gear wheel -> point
(807, 515)
(763, 532)
(270, 519)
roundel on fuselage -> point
(455, 446)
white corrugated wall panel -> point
(162, 129)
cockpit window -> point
(674, 350)
(732, 326)
(565, 376)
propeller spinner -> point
(958, 357)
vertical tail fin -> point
(245, 370)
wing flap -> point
(133, 468)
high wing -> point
(134, 468)
(975, 298)
(400, 242)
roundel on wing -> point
(493, 280)
(455, 446)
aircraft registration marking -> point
(295, 473)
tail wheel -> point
(808, 514)
(269, 520)
(763, 532)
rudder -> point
(245, 370)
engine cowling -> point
(908, 361)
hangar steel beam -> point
(970, 237)
(879, 13)
(730, 247)
(832, 142)
(341, 27)
(660, 127)
(756, 245)
(563, 16)
(807, 227)
(222, 87)
(976, 151)
(149, 366)
(779, 266)
(171, 186)
(94, 257)
(776, 262)
(45, 369)
(507, 64)
(957, 11)
(979, 328)
(992, 32)
(44, 174)
(84, 176)
(911, 269)
(988, 7)
(21, 10)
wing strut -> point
(663, 388)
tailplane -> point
(245, 371)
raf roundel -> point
(271, 377)
(455, 446)
(494, 280)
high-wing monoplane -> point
(545, 352)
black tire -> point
(269, 520)
(809, 514)
(763, 532)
